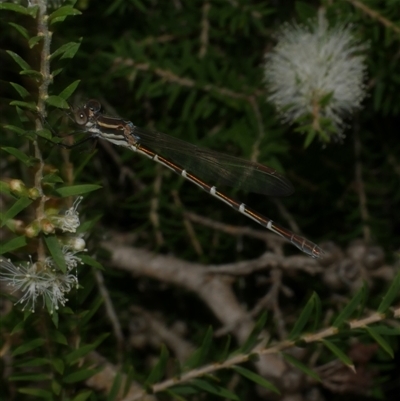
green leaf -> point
(74, 356)
(14, 7)
(391, 295)
(23, 31)
(83, 396)
(28, 161)
(225, 350)
(60, 14)
(57, 101)
(339, 353)
(317, 313)
(71, 50)
(52, 312)
(56, 252)
(380, 340)
(31, 377)
(14, 128)
(214, 389)
(56, 387)
(32, 74)
(206, 345)
(129, 378)
(253, 339)
(88, 260)
(69, 90)
(57, 71)
(349, 309)
(16, 208)
(32, 363)
(182, 389)
(58, 337)
(51, 179)
(87, 315)
(58, 365)
(387, 331)
(303, 318)
(199, 356)
(158, 371)
(5, 188)
(44, 133)
(13, 244)
(25, 105)
(256, 378)
(80, 375)
(33, 41)
(36, 392)
(115, 388)
(29, 346)
(20, 327)
(20, 89)
(66, 51)
(77, 190)
(305, 369)
(19, 60)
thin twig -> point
(205, 26)
(111, 314)
(375, 15)
(188, 226)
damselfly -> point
(196, 164)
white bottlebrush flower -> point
(34, 282)
(69, 221)
(76, 243)
(316, 72)
(71, 260)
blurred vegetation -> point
(194, 70)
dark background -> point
(141, 59)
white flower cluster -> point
(316, 71)
(34, 282)
(32, 3)
(44, 279)
(70, 220)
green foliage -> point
(356, 302)
(17, 207)
(391, 295)
(159, 369)
(192, 70)
(254, 337)
(77, 190)
(313, 306)
(256, 378)
(56, 252)
(339, 353)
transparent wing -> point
(214, 167)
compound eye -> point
(80, 117)
(94, 106)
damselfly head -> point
(88, 112)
